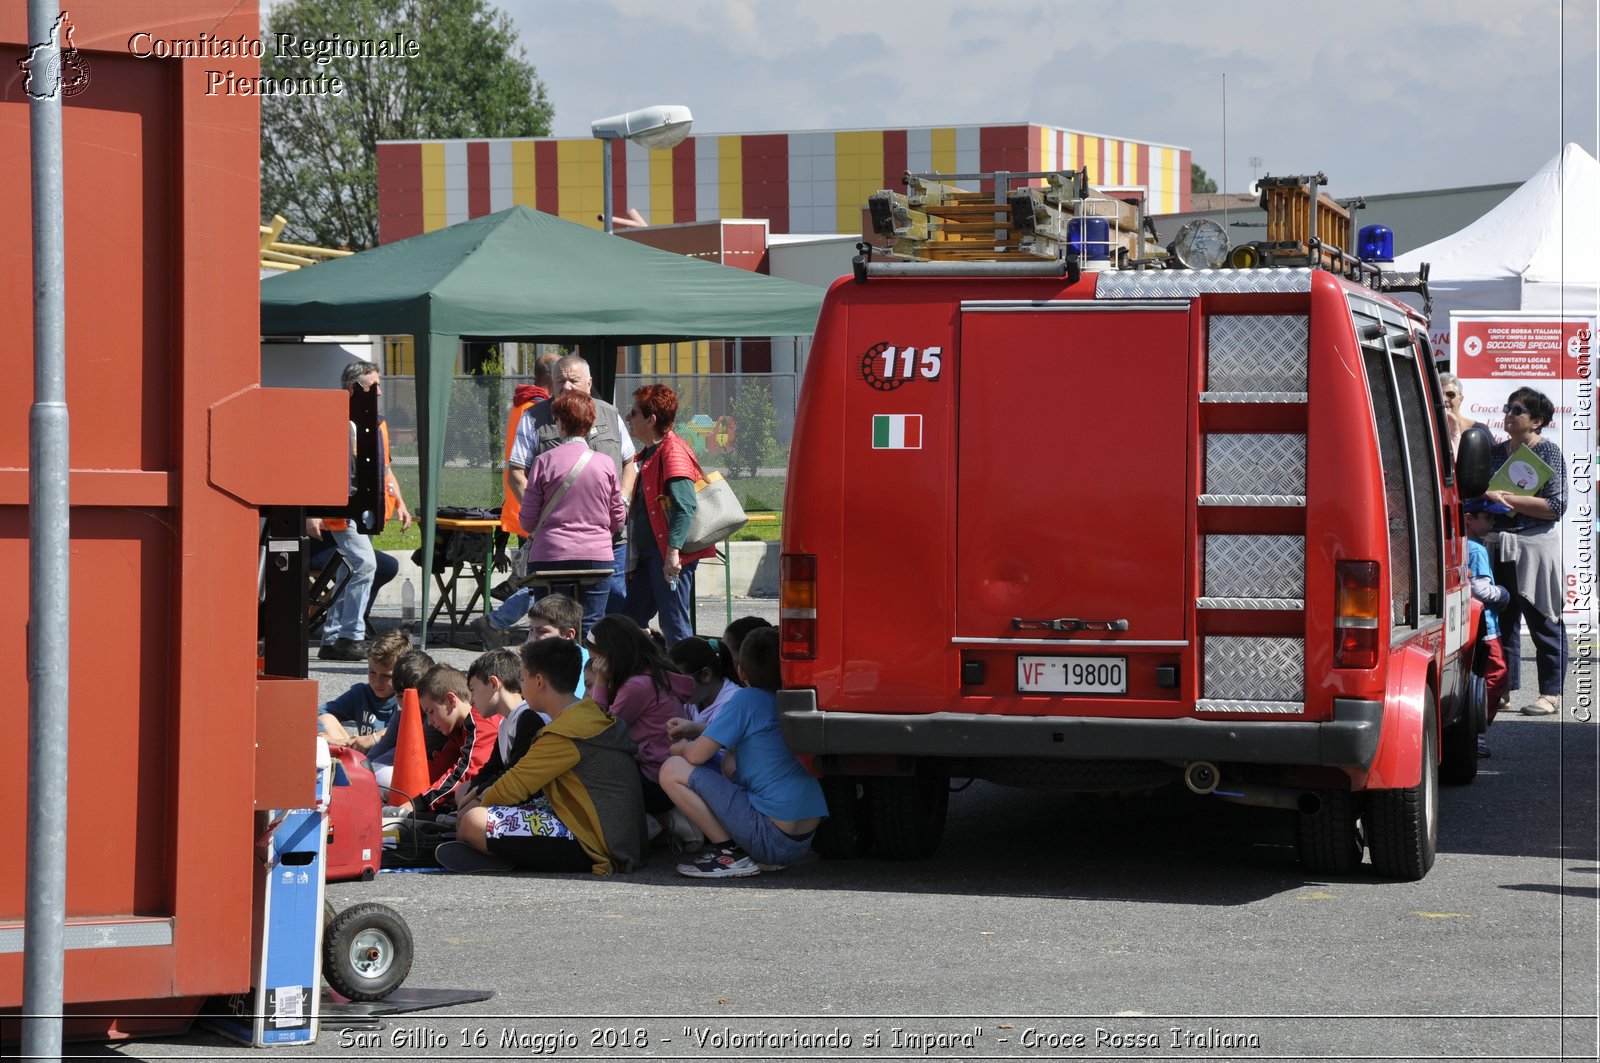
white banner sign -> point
(1497, 353)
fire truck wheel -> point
(1328, 841)
(907, 815)
(1460, 765)
(366, 952)
(847, 832)
(1403, 825)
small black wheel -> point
(908, 815)
(847, 832)
(1460, 765)
(366, 952)
(1403, 825)
(1328, 841)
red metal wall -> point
(162, 298)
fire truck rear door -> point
(1072, 470)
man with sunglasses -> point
(1526, 550)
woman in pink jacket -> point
(571, 524)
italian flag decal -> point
(897, 431)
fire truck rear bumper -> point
(1349, 740)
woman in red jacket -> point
(660, 575)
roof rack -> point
(1040, 223)
(940, 228)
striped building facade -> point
(800, 182)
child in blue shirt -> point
(760, 811)
(358, 717)
(1478, 517)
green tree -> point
(1198, 181)
(470, 78)
(753, 422)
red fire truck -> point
(1116, 528)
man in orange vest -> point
(344, 627)
(516, 605)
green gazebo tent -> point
(525, 275)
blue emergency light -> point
(1376, 243)
(1090, 238)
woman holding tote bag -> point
(660, 571)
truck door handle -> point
(1067, 623)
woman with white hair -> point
(1458, 421)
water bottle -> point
(408, 602)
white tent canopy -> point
(1538, 250)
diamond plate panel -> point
(1241, 668)
(1187, 283)
(1252, 464)
(1285, 501)
(1276, 708)
(1284, 605)
(1255, 566)
(1277, 397)
(1257, 352)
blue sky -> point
(1382, 95)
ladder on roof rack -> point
(936, 220)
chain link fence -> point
(738, 423)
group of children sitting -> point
(561, 756)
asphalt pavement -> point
(1047, 926)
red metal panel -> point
(284, 745)
(619, 176)
(683, 179)
(477, 178)
(1003, 148)
(700, 240)
(1143, 170)
(161, 754)
(895, 156)
(547, 176)
(744, 246)
(1015, 556)
(399, 192)
(1185, 159)
(766, 178)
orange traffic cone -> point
(410, 776)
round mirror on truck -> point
(1473, 461)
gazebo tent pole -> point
(435, 368)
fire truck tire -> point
(847, 832)
(1403, 825)
(366, 952)
(1460, 765)
(907, 815)
(1328, 840)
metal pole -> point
(605, 180)
(49, 546)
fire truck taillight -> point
(1355, 618)
(797, 606)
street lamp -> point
(662, 126)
